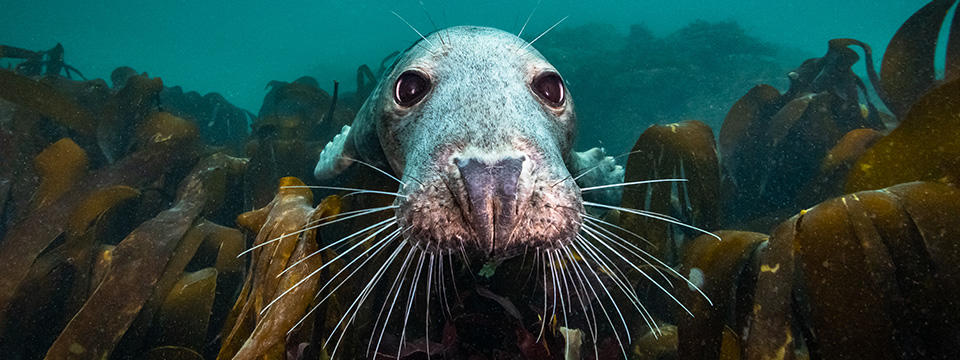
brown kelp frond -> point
(772, 145)
(926, 145)
(907, 71)
(39, 63)
(685, 150)
(151, 257)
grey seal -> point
(479, 128)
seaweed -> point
(677, 151)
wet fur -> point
(481, 106)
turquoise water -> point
(236, 48)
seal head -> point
(479, 127)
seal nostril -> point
(491, 190)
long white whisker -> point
(353, 214)
(362, 298)
(543, 322)
(669, 269)
(376, 248)
(652, 215)
(413, 293)
(596, 233)
(627, 289)
(588, 217)
(621, 283)
(542, 34)
(630, 183)
(528, 19)
(429, 295)
(584, 300)
(599, 301)
(375, 168)
(563, 303)
(415, 30)
(339, 188)
(385, 224)
(403, 270)
(317, 271)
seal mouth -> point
(492, 208)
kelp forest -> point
(139, 220)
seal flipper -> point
(597, 169)
(336, 156)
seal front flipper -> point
(336, 156)
(596, 169)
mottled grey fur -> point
(481, 106)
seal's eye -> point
(549, 87)
(411, 86)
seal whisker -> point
(377, 169)
(383, 226)
(352, 214)
(603, 308)
(363, 298)
(443, 287)
(543, 33)
(528, 18)
(663, 265)
(344, 189)
(317, 271)
(630, 183)
(597, 220)
(429, 295)
(425, 12)
(558, 271)
(543, 321)
(378, 246)
(653, 215)
(376, 251)
(621, 284)
(453, 278)
(595, 233)
(412, 296)
(401, 279)
(584, 301)
(415, 30)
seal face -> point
(479, 127)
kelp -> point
(722, 270)
(60, 167)
(249, 331)
(890, 250)
(183, 318)
(28, 238)
(45, 100)
(37, 63)
(138, 266)
(684, 150)
(925, 146)
(772, 145)
(907, 71)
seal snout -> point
(492, 192)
